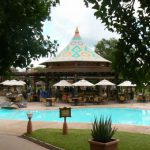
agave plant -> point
(102, 130)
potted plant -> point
(102, 133)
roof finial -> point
(77, 33)
(77, 30)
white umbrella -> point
(6, 81)
(127, 84)
(22, 82)
(105, 82)
(62, 83)
(82, 83)
(13, 83)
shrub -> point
(102, 130)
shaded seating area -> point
(99, 100)
(83, 100)
(126, 91)
(143, 98)
(84, 92)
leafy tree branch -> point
(21, 27)
(130, 19)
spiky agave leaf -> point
(102, 129)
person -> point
(131, 95)
(25, 95)
(105, 94)
(58, 94)
(65, 97)
(38, 94)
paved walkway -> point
(11, 142)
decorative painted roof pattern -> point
(76, 50)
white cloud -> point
(66, 17)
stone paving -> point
(11, 142)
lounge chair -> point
(5, 104)
(22, 104)
(8, 105)
(96, 100)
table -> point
(50, 100)
(76, 100)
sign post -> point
(65, 112)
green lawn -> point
(78, 139)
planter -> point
(112, 145)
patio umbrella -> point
(6, 81)
(62, 83)
(82, 83)
(105, 83)
(127, 84)
(22, 82)
(13, 83)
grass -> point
(77, 139)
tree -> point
(21, 37)
(130, 19)
(106, 48)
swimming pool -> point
(118, 115)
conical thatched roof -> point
(76, 50)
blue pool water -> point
(118, 115)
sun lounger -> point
(8, 105)
(22, 104)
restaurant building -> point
(76, 61)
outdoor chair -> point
(22, 104)
(18, 98)
(122, 98)
(30, 97)
(42, 100)
(81, 100)
(141, 98)
(96, 100)
(148, 98)
(85, 99)
(90, 99)
(69, 100)
(102, 99)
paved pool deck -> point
(15, 127)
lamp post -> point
(29, 125)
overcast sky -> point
(69, 15)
